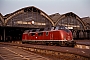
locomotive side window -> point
(62, 28)
(42, 29)
(32, 34)
(37, 30)
(40, 33)
(56, 28)
(47, 33)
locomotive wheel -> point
(50, 44)
(61, 44)
(47, 44)
(55, 44)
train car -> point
(49, 36)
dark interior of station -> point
(12, 33)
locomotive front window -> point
(62, 28)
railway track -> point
(56, 51)
(8, 52)
(79, 44)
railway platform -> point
(82, 44)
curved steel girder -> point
(14, 14)
(1, 18)
(22, 11)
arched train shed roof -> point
(22, 11)
(71, 14)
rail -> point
(78, 45)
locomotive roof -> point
(46, 29)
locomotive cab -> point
(66, 36)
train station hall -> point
(13, 25)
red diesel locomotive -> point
(49, 36)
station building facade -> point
(33, 18)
